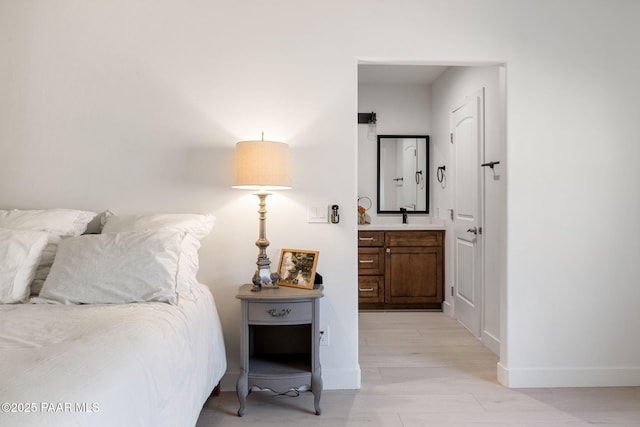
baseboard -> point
(491, 342)
(332, 379)
(446, 308)
(341, 379)
(568, 377)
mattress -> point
(144, 364)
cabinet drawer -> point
(280, 312)
(370, 238)
(370, 261)
(371, 288)
(413, 238)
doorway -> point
(446, 87)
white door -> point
(467, 137)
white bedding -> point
(144, 364)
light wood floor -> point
(424, 369)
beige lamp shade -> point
(261, 165)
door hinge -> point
(451, 137)
(452, 291)
(479, 230)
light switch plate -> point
(317, 213)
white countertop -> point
(395, 227)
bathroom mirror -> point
(403, 173)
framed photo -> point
(297, 268)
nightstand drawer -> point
(285, 312)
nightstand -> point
(280, 339)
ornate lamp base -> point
(264, 278)
(263, 275)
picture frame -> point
(297, 268)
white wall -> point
(136, 105)
(401, 109)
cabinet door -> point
(414, 275)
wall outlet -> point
(324, 335)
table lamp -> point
(262, 166)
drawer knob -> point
(275, 313)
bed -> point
(136, 357)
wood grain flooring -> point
(424, 369)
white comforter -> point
(148, 364)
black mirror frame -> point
(426, 177)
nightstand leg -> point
(316, 389)
(242, 387)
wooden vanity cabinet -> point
(412, 275)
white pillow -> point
(59, 223)
(196, 226)
(20, 253)
(115, 268)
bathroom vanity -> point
(400, 267)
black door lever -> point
(490, 164)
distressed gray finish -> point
(280, 339)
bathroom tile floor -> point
(425, 369)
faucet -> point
(403, 211)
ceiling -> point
(399, 74)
